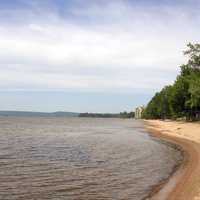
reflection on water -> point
(80, 159)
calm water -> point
(80, 159)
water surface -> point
(80, 159)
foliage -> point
(182, 99)
(108, 115)
(127, 114)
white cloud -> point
(124, 48)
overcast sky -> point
(91, 55)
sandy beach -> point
(184, 184)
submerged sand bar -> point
(185, 182)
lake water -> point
(80, 159)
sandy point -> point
(184, 184)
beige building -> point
(138, 112)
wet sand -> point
(184, 184)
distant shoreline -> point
(5, 113)
(184, 183)
(37, 114)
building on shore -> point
(138, 112)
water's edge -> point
(136, 164)
(176, 144)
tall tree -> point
(182, 99)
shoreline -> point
(184, 181)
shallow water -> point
(80, 159)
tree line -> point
(182, 99)
(109, 115)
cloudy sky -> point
(91, 55)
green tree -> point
(182, 99)
(193, 52)
(179, 95)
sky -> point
(91, 55)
